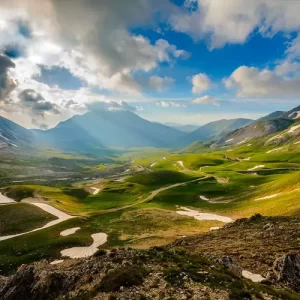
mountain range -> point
(123, 129)
(272, 123)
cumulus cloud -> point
(281, 81)
(91, 39)
(98, 47)
(112, 105)
(232, 21)
(201, 83)
(206, 100)
(160, 84)
(250, 81)
(167, 104)
(36, 103)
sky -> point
(169, 61)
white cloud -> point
(91, 39)
(167, 104)
(97, 47)
(250, 81)
(160, 84)
(112, 105)
(232, 21)
(206, 100)
(201, 83)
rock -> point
(287, 270)
(230, 264)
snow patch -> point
(202, 216)
(56, 262)
(95, 190)
(214, 228)
(256, 167)
(228, 140)
(252, 277)
(1, 135)
(180, 163)
(5, 200)
(79, 252)
(69, 231)
(248, 158)
(152, 165)
(242, 142)
(293, 129)
(204, 198)
(297, 114)
(273, 150)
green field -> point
(137, 208)
(22, 217)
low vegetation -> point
(22, 217)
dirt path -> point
(153, 194)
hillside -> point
(272, 116)
(195, 267)
(213, 130)
(183, 128)
(108, 129)
(13, 137)
(293, 114)
(255, 130)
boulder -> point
(287, 270)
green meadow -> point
(137, 208)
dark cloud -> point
(6, 84)
(5, 63)
(13, 51)
(37, 103)
(30, 95)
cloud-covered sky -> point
(179, 61)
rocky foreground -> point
(208, 266)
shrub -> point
(123, 276)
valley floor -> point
(151, 199)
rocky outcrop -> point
(287, 270)
(229, 263)
(158, 273)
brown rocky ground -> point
(201, 267)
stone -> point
(287, 270)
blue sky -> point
(185, 61)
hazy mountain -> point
(108, 129)
(255, 130)
(214, 129)
(13, 136)
(183, 128)
(272, 116)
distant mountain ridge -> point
(272, 116)
(183, 128)
(103, 129)
(213, 130)
(108, 129)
